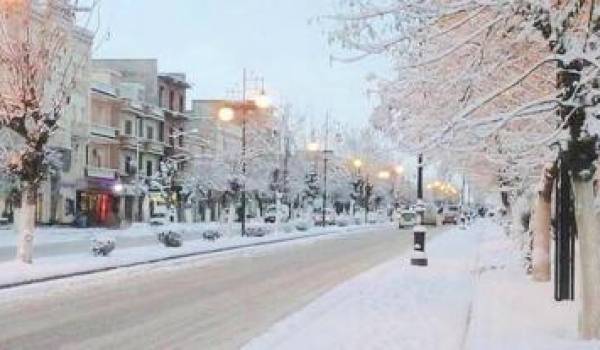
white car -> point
(329, 217)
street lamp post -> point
(228, 114)
(314, 147)
(419, 257)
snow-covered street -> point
(66, 252)
(300, 175)
(473, 295)
(220, 301)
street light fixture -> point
(313, 147)
(228, 113)
(384, 175)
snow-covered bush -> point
(211, 235)
(258, 230)
(103, 246)
(288, 227)
(170, 239)
(302, 225)
(343, 221)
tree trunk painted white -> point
(25, 225)
(207, 214)
(589, 248)
(541, 228)
(230, 217)
(278, 212)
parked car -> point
(271, 214)
(329, 216)
(407, 218)
(431, 216)
(451, 214)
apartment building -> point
(56, 202)
(138, 119)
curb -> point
(167, 258)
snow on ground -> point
(58, 234)
(15, 272)
(472, 295)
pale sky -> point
(213, 40)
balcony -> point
(152, 146)
(104, 131)
(101, 173)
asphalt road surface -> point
(219, 303)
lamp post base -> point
(419, 261)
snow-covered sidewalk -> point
(64, 265)
(473, 295)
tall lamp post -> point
(228, 113)
(419, 257)
(314, 147)
(357, 163)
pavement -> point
(473, 295)
(207, 303)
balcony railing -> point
(102, 130)
(153, 146)
(101, 173)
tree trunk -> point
(230, 217)
(541, 228)
(505, 197)
(25, 225)
(589, 248)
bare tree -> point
(40, 63)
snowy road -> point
(220, 303)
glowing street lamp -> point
(357, 163)
(384, 175)
(226, 114)
(262, 101)
(399, 169)
(313, 147)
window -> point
(161, 93)
(96, 159)
(128, 127)
(140, 128)
(181, 104)
(172, 100)
(180, 137)
(150, 133)
(161, 131)
(128, 165)
(148, 168)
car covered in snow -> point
(407, 218)
(271, 214)
(329, 216)
(451, 214)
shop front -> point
(98, 205)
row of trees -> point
(278, 164)
(496, 84)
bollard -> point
(419, 258)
